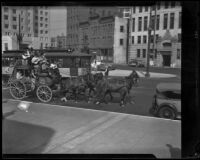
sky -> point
(58, 21)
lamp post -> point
(148, 45)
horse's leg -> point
(111, 97)
(122, 99)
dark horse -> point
(104, 87)
(73, 87)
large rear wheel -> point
(44, 93)
(17, 89)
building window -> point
(158, 5)
(171, 20)
(145, 39)
(151, 38)
(139, 39)
(6, 25)
(158, 22)
(166, 4)
(133, 25)
(41, 25)
(157, 37)
(133, 9)
(121, 28)
(178, 54)
(46, 19)
(179, 37)
(14, 18)
(144, 53)
(22, 27)
(5, 17)
(14, 11)
(173, 3)
(165, 21)
(46, 25)
(41, 18)
(138, 53)
(36, 17)
(46, 13)
(41, 31)
(121, 41)
(152, 22)
(5, 9)
(132, 39)
(46, 32)
(41, 12)
(103, 13)
(6, 46)
(145, 23)
(139, 23)
(140, 9)
(14, 26)
(146, 8)
(29, 13)
(179, 20)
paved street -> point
(56, 129)
(142, 96)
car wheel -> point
(166, 112)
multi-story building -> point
(33, 23)
(166, 28)
(79, 17)
(59, 42)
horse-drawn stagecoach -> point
(72, 78)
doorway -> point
(166, 60)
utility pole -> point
(127, 43)
(148, 44)
(154, 33)
(19, 36)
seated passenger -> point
(19, 75)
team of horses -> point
(93, 86)
(97, 86)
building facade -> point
(33, 22)
(165, 41)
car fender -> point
(169, 105)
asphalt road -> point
(142, 96)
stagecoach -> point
(71, 67)
(20, 88)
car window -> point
(172, 94)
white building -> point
(167, 34)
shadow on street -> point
(19, 137)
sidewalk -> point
(141, 74)
(62, 129)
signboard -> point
(7, 70)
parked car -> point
(103, 66)
(167, 101)
(136, 63)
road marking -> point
(64, 138)
(81, 139)
(117, 113)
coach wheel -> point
(44, 93)
(17, 89)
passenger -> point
(19, 75)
